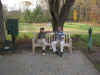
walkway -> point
(26, 64)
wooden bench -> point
(51, 37)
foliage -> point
(21, 19)
(38, 15)
(34, 16)
(27, 16)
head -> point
(59, 29)
(42, 29)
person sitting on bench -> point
(59, 41)
(42, 40)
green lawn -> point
(81, 27)
(26, 30)
(71, 27)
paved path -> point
(26, 64)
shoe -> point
(57, 53)
(61, 54)
(43, 53)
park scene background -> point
(83, 15)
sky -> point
(17, 4)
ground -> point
(77, 64)
(26, 64)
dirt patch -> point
(24, 44)
(95, 57)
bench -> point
(51, 37)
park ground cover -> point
(71, 27)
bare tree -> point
(59, 10)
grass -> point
(26, 31)
(26, 27)
(95, 39)
(22, 36)
(81, 27)
(97, 67)
(83, 38)
(71, 27)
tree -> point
(59, 10)
(2, 29)
(37, 15)
(27, 12)
(27, 16)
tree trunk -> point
(56, 24)
(59, 10)
(2, 31)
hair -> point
(42, 28)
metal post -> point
(13, 41)
(90, 39)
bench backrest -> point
(51, 36)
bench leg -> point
(33, 48)
(70, 46)
(70, 49)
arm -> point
(47, 31)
